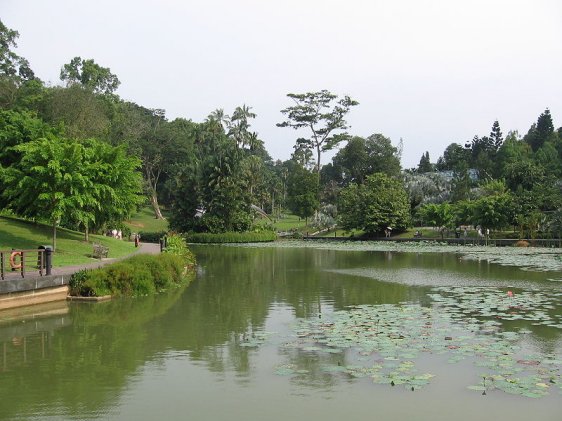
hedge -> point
(231, 237)
(151, 236)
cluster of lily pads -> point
(384, 341)
(533, 258)
(536, 306)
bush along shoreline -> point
(231, 237)
(139, 275)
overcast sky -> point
(429, 72)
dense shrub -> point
(151, 236)
(139, 275)
(231, 237)
(175, 244)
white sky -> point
(428, 71)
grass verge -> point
(71, 247)
(140, 275)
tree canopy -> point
(323, 114)
(373, 206)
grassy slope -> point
(144, 221)
(290, 222)
(71, 247)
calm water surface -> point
(181, 355)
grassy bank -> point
(140, 275)
(71, 247)
(144, 221)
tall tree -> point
(302, 190)
(324, 115)
(64, 180)
(378, 203)
(441, 216)
(363, 157)
(116, 189)
(425, 164)
(90, 75)
(11, 64)
(82, 113)
(239, 126)
(540, 132)
(496, 135)
(453, 158)
(18, 85)
(17, 128)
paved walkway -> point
(146, 248)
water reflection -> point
(84, 361)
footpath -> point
(34, 289)
(145, 248)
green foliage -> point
(151, 236)
(324, 115)
(461, 184)
(215, 184)
(454, 157)
(378, 203)
(362, 157)
(63, 180)
(541, 132)
(79, 111)
(12, 65)
(302, 189)
(176, 244)
(144, 220)
(441, 215)
(17, 128)
(71, 247)
(231, 237)
(137, 276)
(425, 164)
(90, 75)
(464, 213)
(494, 212)
(523, 174)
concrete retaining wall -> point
(31, 297)
(18, 292)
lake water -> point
(298, 334)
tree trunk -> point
(318, 160)
(54, 235)
(86, 233)
(155, 205)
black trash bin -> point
(46, 263)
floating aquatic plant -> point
(463, 322)
(535, 258)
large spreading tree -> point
(60, 179)
(378, 203)
(323, 114)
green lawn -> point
(342, 233)
(289, 222)
(144, 221)
(71, 247)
